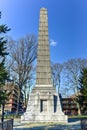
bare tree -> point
(72, 70)
(21, 61)
(57, 75)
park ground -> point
(71, 125)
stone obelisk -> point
(44, 103)
(43, 75)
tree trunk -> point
(2, 115)
(79, 111)
(18, 102)
(25, 101)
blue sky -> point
(67, 24)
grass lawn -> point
(78, 116)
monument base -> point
(44, 107)
(44, 118)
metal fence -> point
(84, 123)
(7, 125)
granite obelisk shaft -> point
(43, 74)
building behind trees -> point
(11, 103)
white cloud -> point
(53, 43)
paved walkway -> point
(41, 126)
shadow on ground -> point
(73, 124)
(51, 127)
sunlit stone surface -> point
(44, 103)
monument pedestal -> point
(44, 106)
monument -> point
(44, 103)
